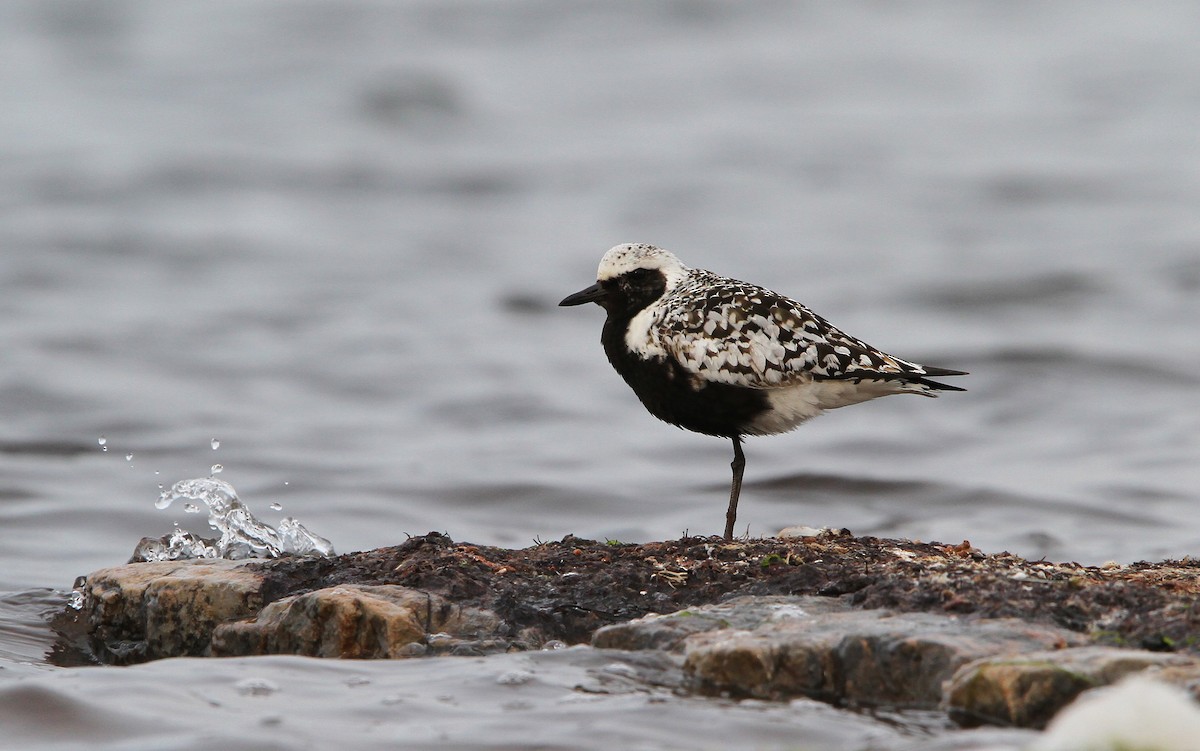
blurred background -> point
(332, 235)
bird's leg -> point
(737, 465)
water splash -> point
(299, 540)
(179, 545)
(77, 598)
(242, 535)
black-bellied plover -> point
(727, 358)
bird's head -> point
(630, 277)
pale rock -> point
(355, 621)
(167, 608)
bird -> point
(731, 359)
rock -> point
(861, 657)
(1029, 689)
(898, 624)
(779, 647)
(354, 621)
(851, 620)
(144, 611)
(568, 589)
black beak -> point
(594, 293)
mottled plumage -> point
(727, 358)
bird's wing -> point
(726, 331)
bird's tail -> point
(914, 379)
(925, 386)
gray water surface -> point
(332, 235)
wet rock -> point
(997, 671)
(1029, 689)
(860, 657)
(149, 610)
(849, 619)
(363, 621)
(859, 621)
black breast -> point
(670, 392)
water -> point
(334, 234)
(241, 533)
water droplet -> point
(215, 444)
(277, 507)
(191, 508)
(217, 469)
(129, 457)
(285, 482)
(103, 440)
(161, 487)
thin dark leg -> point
(738, 465)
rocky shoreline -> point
(853, 621)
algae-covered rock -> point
(856, 620)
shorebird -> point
(726, 358)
